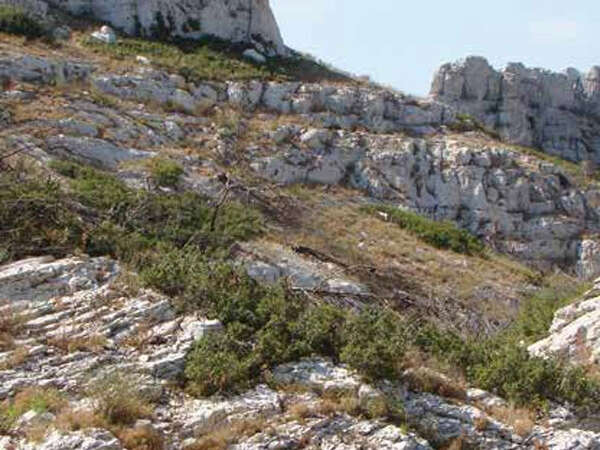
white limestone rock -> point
(575, 331)
(235, 20)
(106, 35)
(93, 151)
(199, 416)
(320, 375)
(254, 56)
(533, 107)
(92, 439)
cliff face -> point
(236, 20)
(557, 112)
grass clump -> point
(466, 122)
(214, 59)
(32, 398)
(118, 399)
(204, 60)
(16, 21)
(165, 172)
(443, 235)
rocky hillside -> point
(205, 245)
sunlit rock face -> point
(557, 112)
(235, 20)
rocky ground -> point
(78, 324)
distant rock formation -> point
(556, 112)
(245, 21)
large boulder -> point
(556, 112)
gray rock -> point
(36, 69)
(92, 151)
(232, 20)
(553, 111)
(254, 56)
(61, 33)
(92, 439)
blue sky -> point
(402, 42)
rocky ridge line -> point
(557, 112)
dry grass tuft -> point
(11, 323)
(481, 423)
(141, 438)
(16, 358)
(81, 419)
(118, 399)
(223, 436)
(299, 411)
(522, 420)
(426, 380)
(68, 344)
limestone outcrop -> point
(533, 212)
(575, 331)
(557, 112)
(250, 22)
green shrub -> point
(34, 217)
(133, 222)
(17, 21)
(503, 365)
(94, 188)
(374, 344)
(536, 313)
(165, 172)
(319, 331)
(466, 122)
(215, 364)
(443, 235)
(214, 59)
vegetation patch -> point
(466, 122)
(35, 219)
(214, 59)
(443, 235)
(502, 364)
(16, 21)
(165, 172)
(33, 398)
(269, 326)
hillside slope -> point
(199, 251)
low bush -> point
(16, 21)
(443, 235)
(374, 344)
(503, 365)
(218, 364)
(34, 218)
